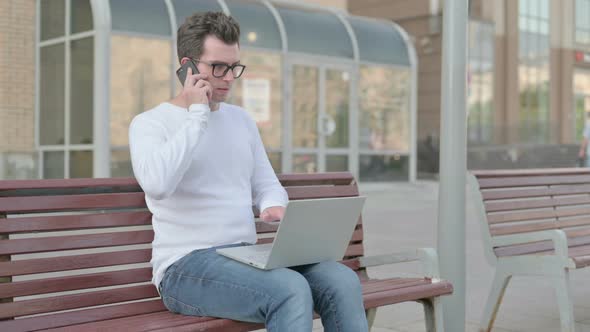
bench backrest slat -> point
(74, 262)
(85, 236)
(522, 201)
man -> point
(202, 165)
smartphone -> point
(181, 72)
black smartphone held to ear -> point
(181, 72)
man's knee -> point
(295, 290)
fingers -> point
(193, 79)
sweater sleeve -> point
(267, 191)
(160, 163)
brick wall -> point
(17, 75)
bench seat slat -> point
(74, 222)
(54, 243)
(68, 283)
(74, 262)
(83, 316)
(531, 181)
(540, 247)
(71, 202)
(65, 302)
(536, 203)
(535, 192)
(503, 229)
(496, 218)
(375, 293)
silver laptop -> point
(311, 231)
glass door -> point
(319, 101)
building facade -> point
(528, 73)
(75, 72)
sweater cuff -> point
(267, 204)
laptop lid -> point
(315, 230)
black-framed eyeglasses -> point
(219, 70)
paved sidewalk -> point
(404, 216)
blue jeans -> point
(204, 283)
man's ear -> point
(184, 60)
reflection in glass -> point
(121, 164)
(534, 71)
(336, 163)
(52, 90)
(305, 107)
(81, 96)
(379, 42)
(146, 17)
(276, 161)
(581, 101)
(259, 91)
(138, 85)
(53, 165)
(380, 168)
(305, 163)
(384, 95)
(81, 17)
(337, 108)
(53, 23)
(258, 27)
(481, 83)
(315, 32)
(185, 8)
(582, 22)
(80, 164)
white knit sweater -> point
(201, 172)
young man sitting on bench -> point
(202, 165)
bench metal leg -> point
(564, 301)
(501, 280)
(433, 314)
(371, 317)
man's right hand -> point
(196, 89)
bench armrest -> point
(427, 256)
(556, 235)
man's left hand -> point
(273, 213)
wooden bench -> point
(66, 243)
(534, 222)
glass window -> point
(81, 16)
(80, 164)
(259, 91)
(121, 164)
(336, 123)
(52, 92)
(382, 168)
(276, 161)
(582, 34)
(379, 42)
(315, 33)
(335, 163)
(305, 105)
(305, 163)
(258, 27)
(53, 165)
(146, 16)
(185, 8)
(140, 80)
(81, 96)
(481, 83)
(53, 22)
(534, 71)
(384, 120)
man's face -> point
(216, 51)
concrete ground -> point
(404, 216)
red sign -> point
(582, 56)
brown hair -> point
(194, 30)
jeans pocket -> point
(179, 307)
